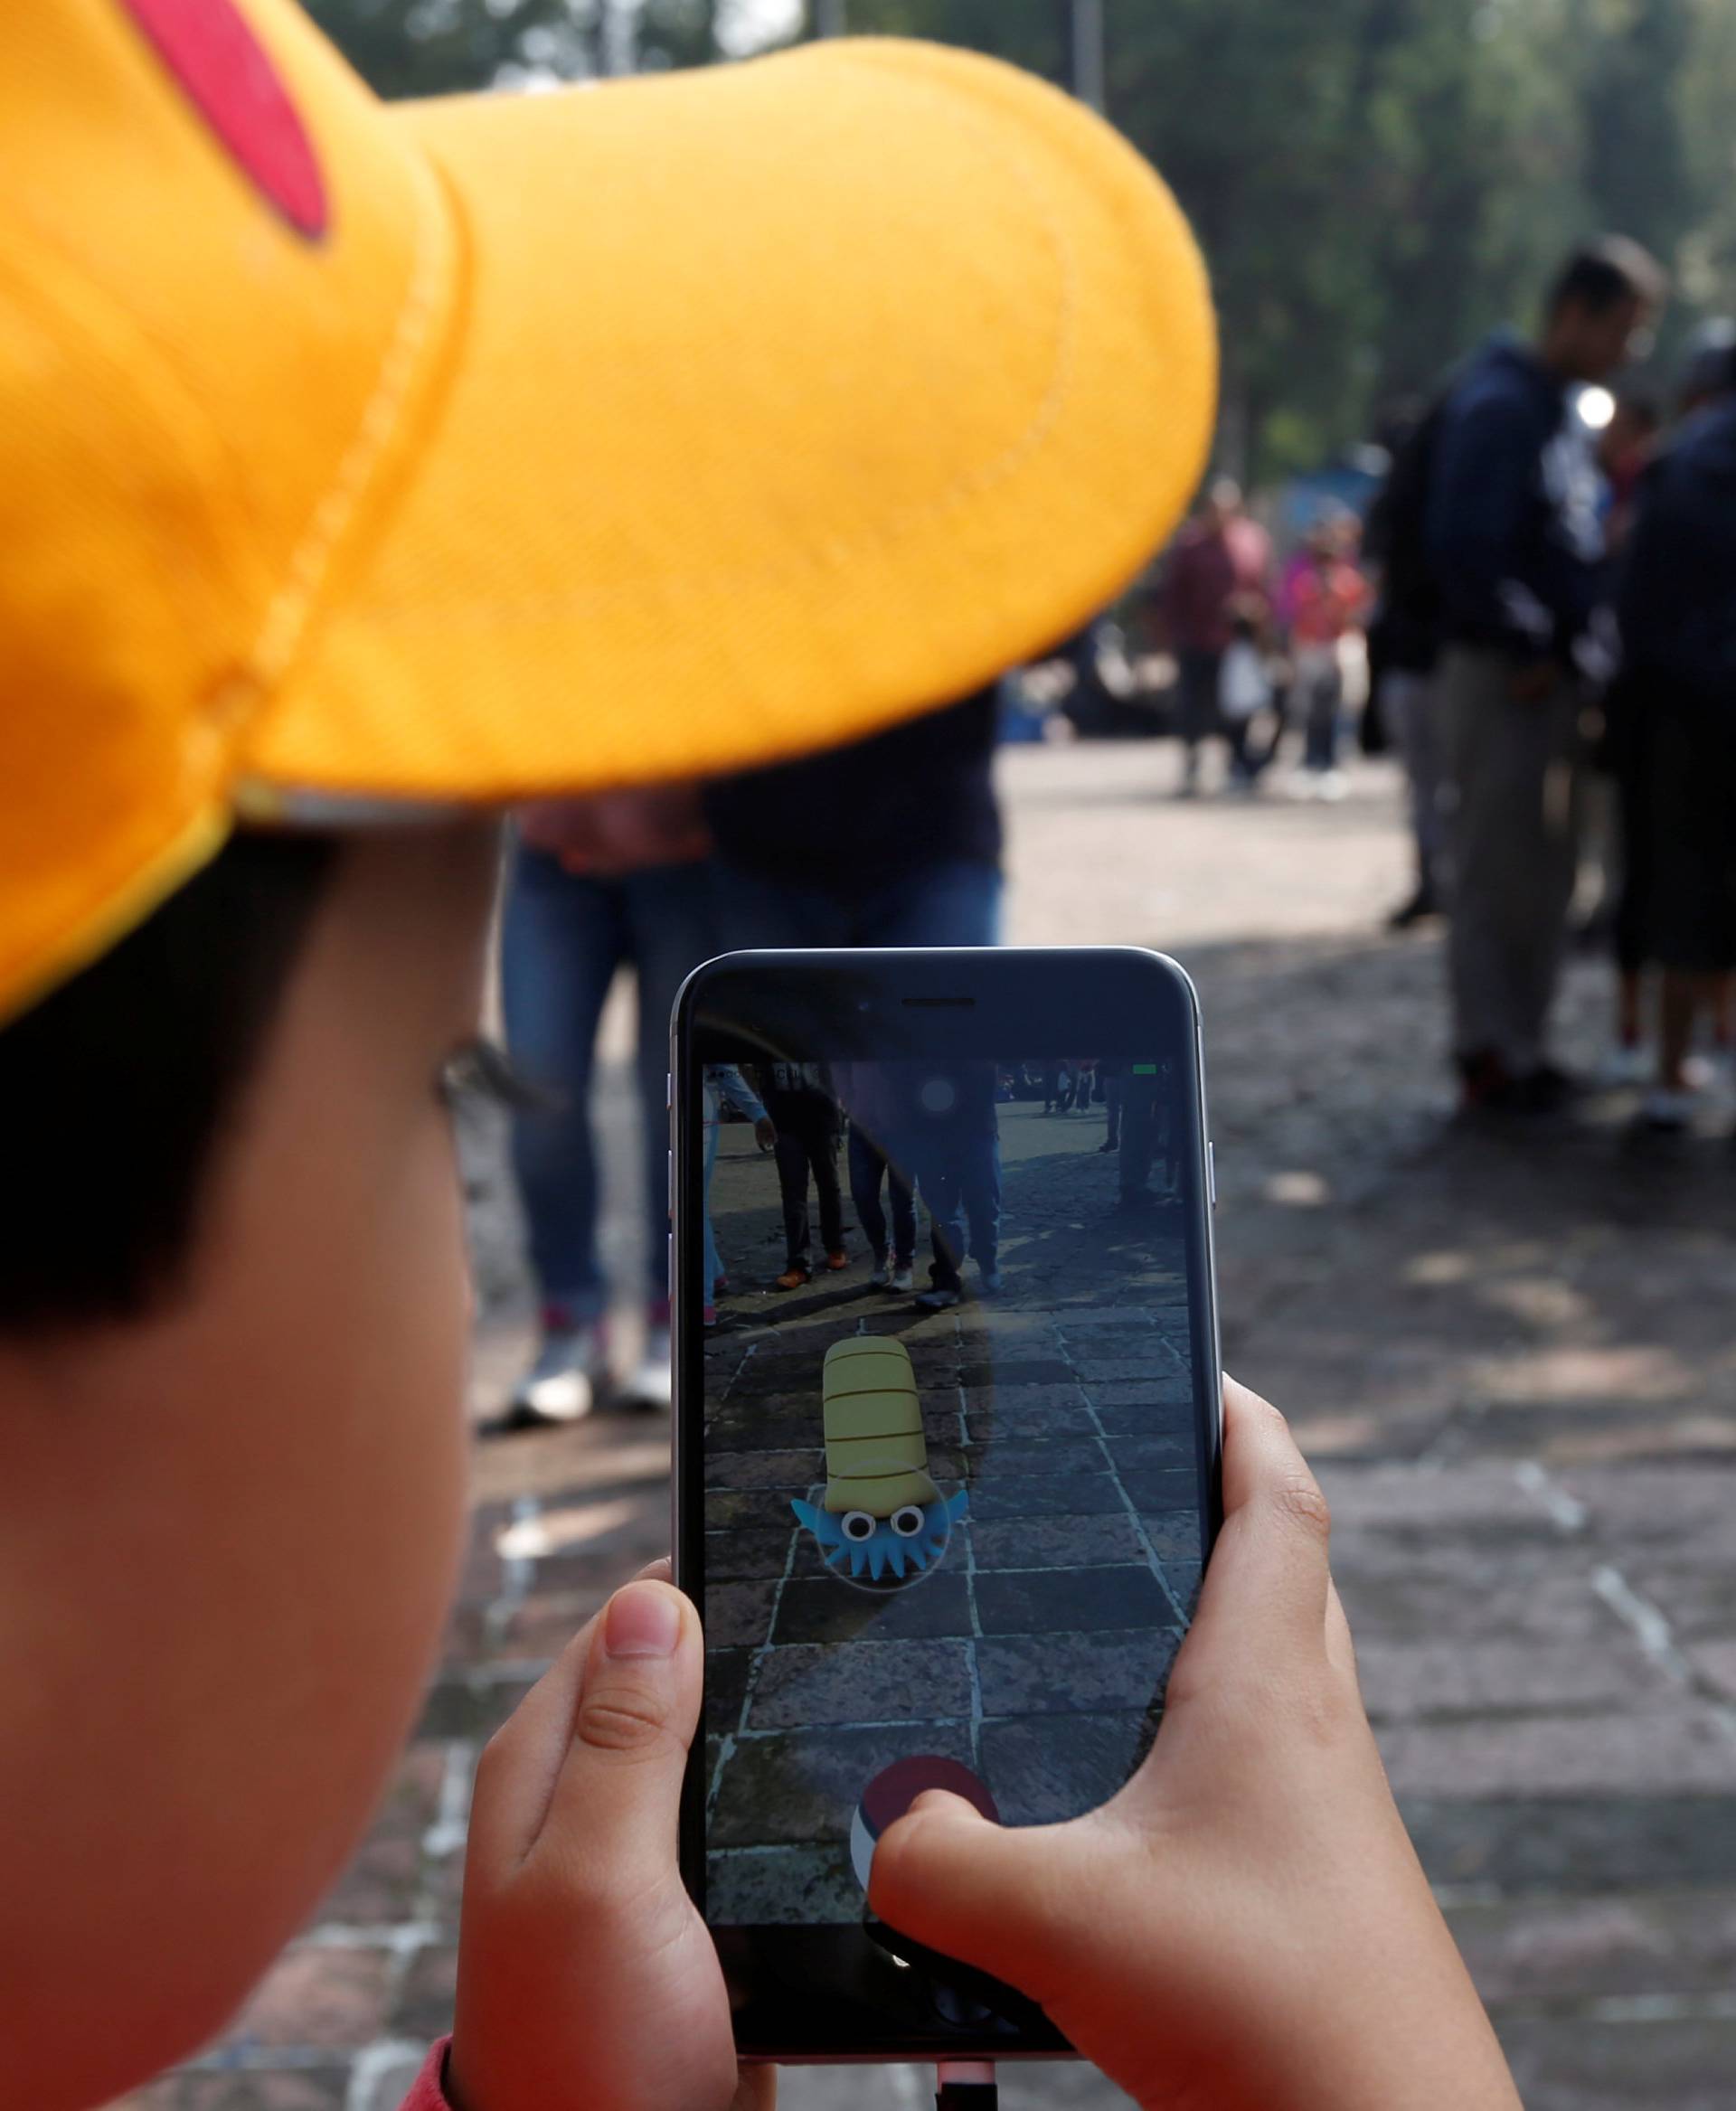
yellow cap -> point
(469, 449)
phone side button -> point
(670, 1156)
(1212, 1171)
(671, 1264)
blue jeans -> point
(563, 937)
(869, 1167)
(953, 904)
(959, 1178)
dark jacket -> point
(1676, 604)
(1405, 632)
(1513, 526)
(897, 804)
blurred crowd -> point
(1537, 616)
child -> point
(343, 453)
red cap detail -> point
(208, 47)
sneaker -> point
(1334, 786)
(1112, 1144)
(1667, 1110)
(903, 1277)
(653, 1382)
(991, 1280)
(562, 1384)
(709, 1316)
(837, 1260)
(882, 1274)
(938, 1300)
(792, 1279)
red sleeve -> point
(426, 2092)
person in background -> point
(953, 1126)
(725, 1086)
(1404, 644)
(876, 1166)
(1517, 547)
(1676, 613)
(895, 840)
(803, 1106)
(1219, 565)
(1624, 447)
(1618, 857)
(1327, 599)
(577, 912)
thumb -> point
(617, 1797)
(973, 1889)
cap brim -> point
(781, 401)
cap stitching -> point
(291, 608)
(476, 615)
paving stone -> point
(1001, 1456)
(748, 1553)
(827, 1608)
(760, 1469)
(1054, 1542)
(1405, 1681)
(872, 1682)
(1074, 1674)
(753, 1887)
(738, 1614)
(1066, 1494)
(1038, 1775)
(726, 1687)
(802, 1787)
(1563, 1843)
(317, 1997)
(423, 2008)
(1549, 1949)
(1572, 2064)
(1681, 1749)
(1047, 1601)
(1155, 1491)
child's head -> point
(444, 455)
(231, 1422)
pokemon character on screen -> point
(880, 1513)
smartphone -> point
(946, 1466)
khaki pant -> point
(1515, 771)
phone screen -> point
(956, 1416)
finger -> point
(521, 1762)
(1341, 1647)
(756, 2089)
(614, 1811)
(1264, 1598)
(516, 1775)
(957, 1882)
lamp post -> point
(1082, 25)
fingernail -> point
(642, 1620)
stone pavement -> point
(1063, 1408)
(1513, 1360)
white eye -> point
(907, 1522)
(857, 1525)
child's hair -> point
(118, 1087)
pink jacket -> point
(426, 2093)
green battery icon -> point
(1145, 1070)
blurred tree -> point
(1375, 183)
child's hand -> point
(1246, 1924)
(587, 1982)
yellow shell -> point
(876, 1455)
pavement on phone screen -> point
(1512, 1357)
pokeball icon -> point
(895, 1788)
